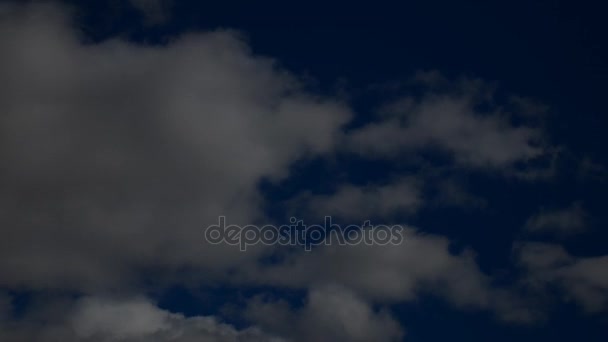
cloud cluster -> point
(116, 155)
(423, 264)
(96, 319)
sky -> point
(472, 133)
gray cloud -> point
(570, 220)
(155, 11)
(117, 155)
(448, 117)
(421, 265)
(583, 280)
(331, 313)
(97, 319)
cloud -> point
(139, 320)
(331, 313)
(528, 107)
(422, 265)
(449, 117)
(117, 155)
(119, 320)
(570, 220)
(155, 11)
(5, 307)
(421, 262)
(98, 319)
(582, 280)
